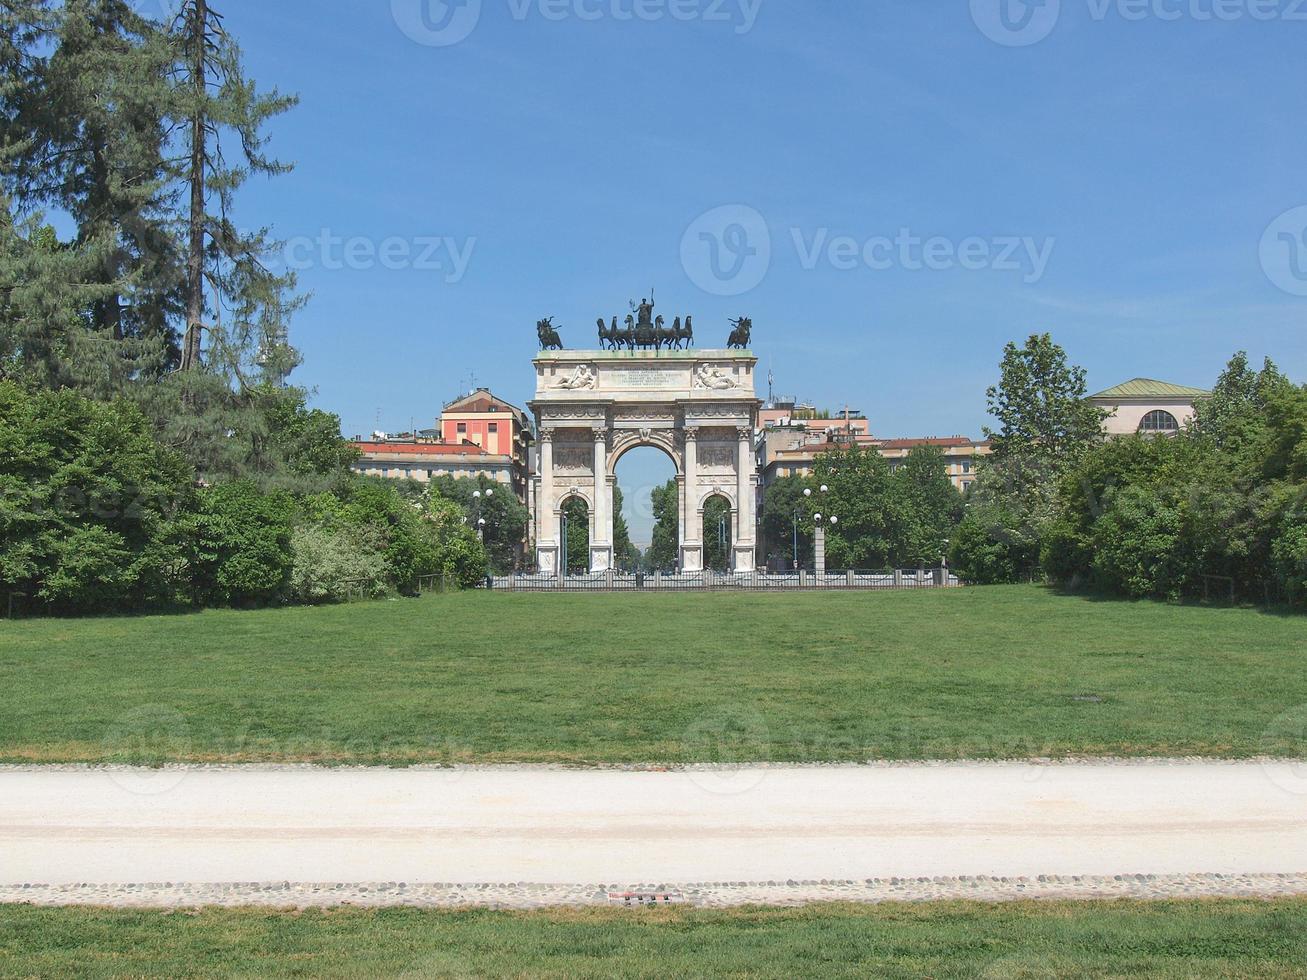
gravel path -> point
(702, 894)
(777, 835)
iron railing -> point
(726, 581)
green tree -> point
(331, 564)
(782, 503)
(89, 504)
(216, 104)
(459, 555)
(664, 551)
(931, 507)
(1233, 419)
(505, 516)
(864, 495)
(88, 135)
(240, 546)
(717, 534)
(577, 516)
(625, 554)
(1045, 424)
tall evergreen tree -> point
(214, 104)
(86, 134)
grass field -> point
(664, 678)
(1164, 939)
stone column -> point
(819, 550)
(691, 523)
(546, 524)
(746, 523)
(601, 534)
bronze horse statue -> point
(611, 338)
(549, 339)
(741, 335)
(684, 335)
(645, 332)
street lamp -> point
(820, 523)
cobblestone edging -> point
(1072, 761)
(705, 894)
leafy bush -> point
(989, 548)
(89, 503)
(239, 541)
(331, 563)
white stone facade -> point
(591, 407)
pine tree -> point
(214, 101)
(86, 135)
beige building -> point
(1147, 406)
(792, 450)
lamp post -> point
(480, 521)
(796, 539)
(820, 523)
(562, 565)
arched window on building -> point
(1159, 421)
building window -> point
(462, 428)
(1159, 421)
(966, 466)
(493, 428)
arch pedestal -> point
(591, 407)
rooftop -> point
(420, 449)
(1151, 388)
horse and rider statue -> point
(740, 336)
(642, 331)
(549, 339)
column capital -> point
(546, 434)
(600, 435)
(691, 435)
(745, 433)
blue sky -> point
(1106, 170)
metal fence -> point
(930, 578)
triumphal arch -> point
(593, 406)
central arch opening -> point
(644, 525)
(574, 536)
(717, 533)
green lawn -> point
(1163, 939)
(663, 678)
